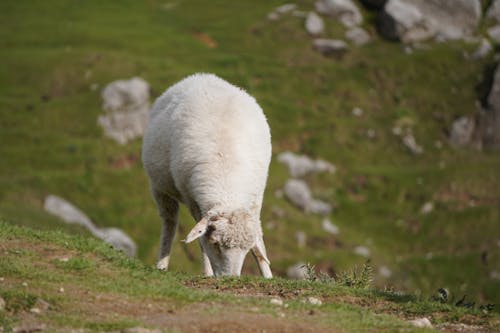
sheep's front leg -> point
(169, 211)
(260, 255)
(205, 262)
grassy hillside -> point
(61, 283)
(58, 55)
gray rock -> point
(362, 251)
(329, 227)
(2, 304)
(421, 322)
(494, 33)
(70, 214)
(427, 208)
(416, 20)
(301, 165)
(314, 301)
(357, 36)
(314, 24)
(277, 12)
(345, 10)
(299, 195)
(330, 47)
(483, 50)
(462, 131)
(126, 103)
(385, 272)
(297, 271)
(410, 143)
(494, 11)
(301, 239)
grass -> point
(105, 291)
(56, 52)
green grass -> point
(53, 52)
(94, 276)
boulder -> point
(415, 20)
(461, 131)
(314, 24)
(357, 36)
(330, 47)
(493, 11)
(301, 165)
(300, 195)
(345, 10)
(126, 103)
(70, 214)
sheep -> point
(208, 146)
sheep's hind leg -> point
(169, 211)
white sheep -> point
(208, 145)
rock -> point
(494, 11)
(483, 50)
(329, 227)
(301, 239)
(494, 33)
(276, 301)
(362, 251)
(357, 36)
(301, 165)
(314, 24)
(277, 12)
(345, 10)
(462, 131)
(40, 306)
(297, 271)
(141, 330)
(427, 208)
(421, 322)
(126, 103)
(415, 20)
(357, 112)
(385, 272)
(2, 304)
(314, 301)
(330, 47)
(494, 275)
(299, 195)
(410, 143)
(72, 215)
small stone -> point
(64, 259)
(427, 208)
(29, 328)
(329, 227)
(495, 275)
(494, 33)
(314, 301)
(61, 290)
(385, 272)
(276, 301)
(301, 239)
(330, 47)
(2, 304)
(483, 49)
(25, 284)
(35, 310)
(421, 322)
(410, 143)
(2, 279)
(286, 8)
(370, 133)
(314, 24)
(362, 251)
(141, 330)
(396, 130)
(462, 131)
(358, 112)
(357, 36)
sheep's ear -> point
(198, 230)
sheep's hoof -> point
(162, 264)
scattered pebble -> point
(61, 290)
(141, 330)
(410, 143)
(276, 301)
(358, 112)
(64, 259)
(421, 322)
(427, 208)
(495, 275)
(362, 251)
(29, 328)
(2, 304)
(329, 227)
(2, 279)
(396, 130)
(25, 284)
(35, 310)
(314, 301)
(385, 272)
(370, 133)
(301, 238)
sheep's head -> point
(226, 238)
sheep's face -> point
(226, 238)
